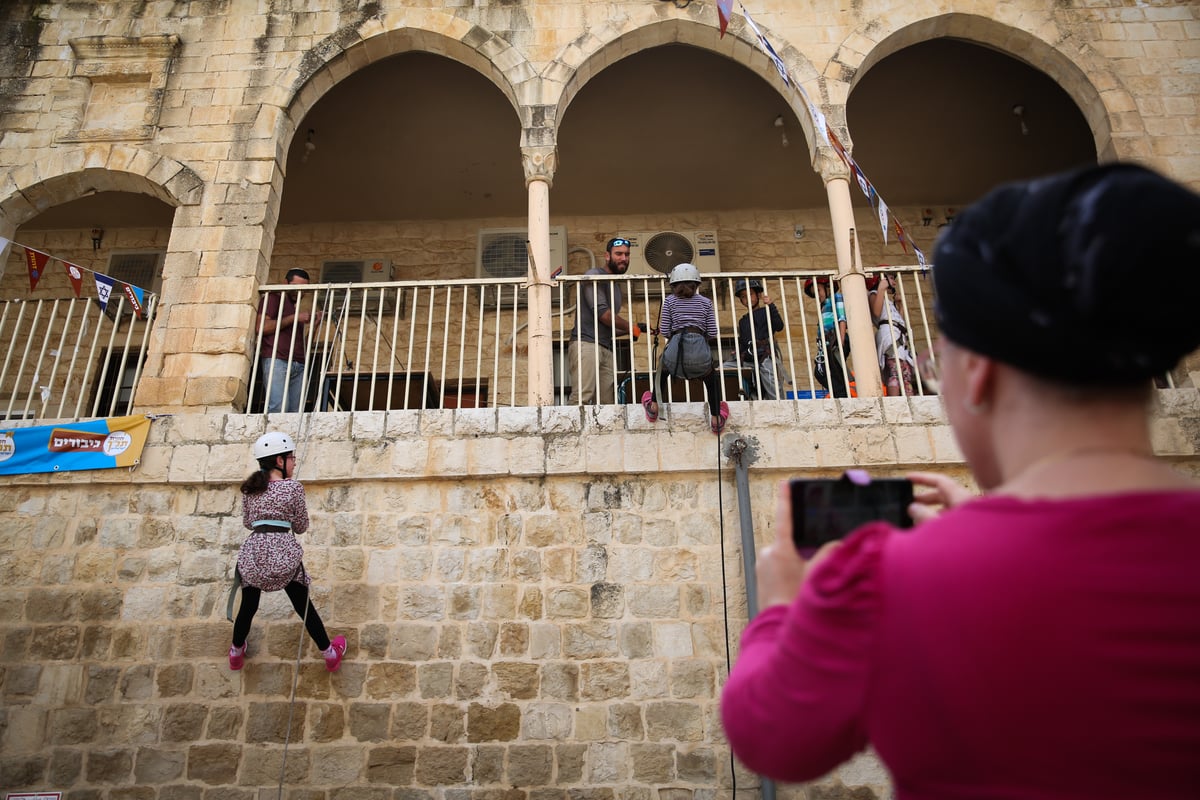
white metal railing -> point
(400, 344)
(454, 344)
(420, 344)
(792, 369)
(65, 358)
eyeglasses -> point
(618, 243)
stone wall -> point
(539, 603)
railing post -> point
(853, 281)
(539, 163)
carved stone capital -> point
(829, 164)
(539, 163)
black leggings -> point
(297, 592)
(710, 383)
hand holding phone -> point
(826, 509)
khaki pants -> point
(582, 359)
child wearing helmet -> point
(275, 511)
(756, 341)
(833, 343)
(689, 321)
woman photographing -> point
(1043, 640)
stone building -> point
(541, 599)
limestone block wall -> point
(540, 603)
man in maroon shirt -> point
(283, 344)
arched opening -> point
(940, 122)
(82, 342)
(679, 128)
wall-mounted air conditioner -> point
(654, 253)
(141, 268)
(503, 253)
(359, 271)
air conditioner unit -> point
(654, 253)
(136, 268)
(363, 270)
(503, 253)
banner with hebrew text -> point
(95, 444)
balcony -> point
(66, 358)
(460, 344)
(420, 345)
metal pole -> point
(741, 452)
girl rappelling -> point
(274, 510)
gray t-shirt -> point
(601, 296)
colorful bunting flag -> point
(900, 235)
(135, 297)
(883, 218)
(780, 67)
(36, 262)
(104, 287)
(820, 126)
(920, 256)
(76, 276)
(838, 147)
(724, 10)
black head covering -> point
(1081, 277)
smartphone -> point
(825, 509)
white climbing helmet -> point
(684, 272)
(273, 443)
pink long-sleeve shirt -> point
(1008, 649)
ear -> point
(980, 374)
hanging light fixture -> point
(1019, 112)
(309, 146)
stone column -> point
(836, 175)
(539, 163)
(201, 348)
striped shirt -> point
(687, 312)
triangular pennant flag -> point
(883, 218)
(4, 247)
(76, 276)
(135, 294)
(104, 287)
(780, 67)
(920, 256)
(838, 147)
(863, 183)
(900, 235)
(36, 261)
(819, 124)
(724, 9)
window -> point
(115, 385)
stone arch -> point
(74, 173)
(650, 26)
(345, 52)
(1070, 62)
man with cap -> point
(598, 322)
(283, 343)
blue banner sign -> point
(96, 444)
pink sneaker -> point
(333, 656)
(237, 657)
